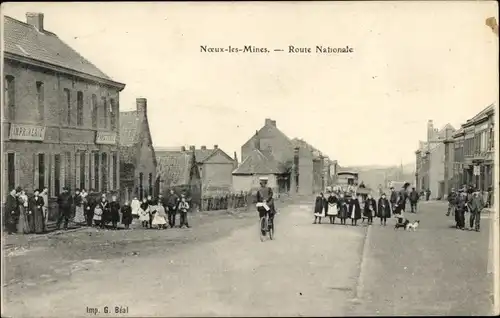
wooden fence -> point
(226, 201)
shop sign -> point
(27, 132)
(105, 138)
(481, 127)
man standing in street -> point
(452, 199)
(65, 202)
(11, 212)
(172, 203)
(414, 200)
(476, 205)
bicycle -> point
(266, 226)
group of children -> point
(347, 206)
(153, 213)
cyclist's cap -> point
(263, 178)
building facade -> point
(60, 114)
(431, 168)
(474, 151)
(305, 163)
(215, 168)
(137, 155)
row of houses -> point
(62, 126)
(450, 157)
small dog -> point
(413, 226)
(404, 225)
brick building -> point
(304, 162)
(60, 114)
(177, 169)
(431, 168)
(137, 155)
(474, 151)
(215, 168)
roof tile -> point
(174, 167)
(259, 163)
(25, 40)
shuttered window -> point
(95, 108)
(41, 171)
(79, 109)
(82, 170)
(11, 171)
(10, 96)
(41, 101)
(57, 174)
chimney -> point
(142, 104)
(270, 122)
(257, 141)
(203, 147)
(35, 19)
(430, 130)
(216, 146)
(183, 148)
(192, 148)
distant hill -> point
(374, 175)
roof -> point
(24, 40)
(267, 132)
(481, 115)
(174, 167)
(302, 143)
(259, 162)
(133, 127)
(203, 155)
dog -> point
(404, 225)
(413, 225)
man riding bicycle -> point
(265, 201)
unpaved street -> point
(220, 268)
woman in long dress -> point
(160, 217)
(354, 210)
(36, 208)
(23, 226)
(79, 212)
(114, 208)
(126, 215)
(144, 212)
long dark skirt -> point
(39, 221)
(23, 225)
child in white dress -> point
(160, 217)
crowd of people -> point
(470, 200)
(344, 205)
(30, 214)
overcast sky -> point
(411, 62)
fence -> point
(227, 201)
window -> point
(115, 169)
(67, 177)
(82, 170)
(94, 111)
(10, 96)
(112, 113)
(96, 171)
(11, 170)
(41, 171)
(150, 182)
(79, 109)
(141, 175)
(104, 171)
(105, 108)
(492, 139)
(40, 100)
(67, 95)
(57, 174)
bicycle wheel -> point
(271, 229)
(263, 227)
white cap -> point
(263, 179)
